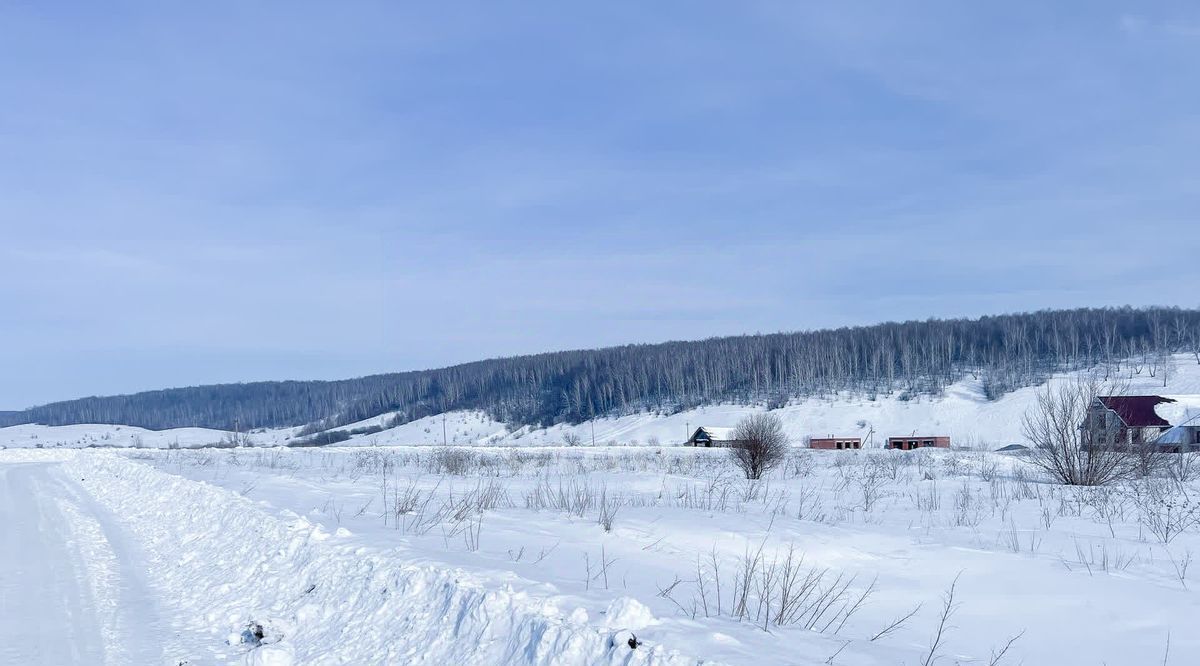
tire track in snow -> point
(71, 592)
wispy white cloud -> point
(1172, 27)
(241, 195)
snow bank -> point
(230, 565)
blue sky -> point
(210, 192)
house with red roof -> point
(1170, 422)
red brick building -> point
(918, 442)
(835, 443)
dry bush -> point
(573, 498)
(894, 462)
(451, 460)
(779, 590)
(871, 480)
(1068, 445)
(608, 508)
(761, 446)
(1183, 467)
(1165, 509)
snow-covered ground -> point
(75, 587)
(390, 551)
(117, 436)
(561, 555)
(226, 566)
(47, 614)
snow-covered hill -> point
(962, 412)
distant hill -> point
(906, 358)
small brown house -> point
(918, 442)
(836, 443)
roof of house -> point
(1183, 413)
(1150, 411)
(1180, 434)
(920, 437)
(1136, 411)
(717, 434)
(1182, 408)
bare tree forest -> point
(891, 359)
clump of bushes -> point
(322, 438)
(761, 444)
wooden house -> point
(709, 436)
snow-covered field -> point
(132, 547)
(555, 555)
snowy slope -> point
(116, 436)
(962, 412)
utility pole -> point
(593, 422)
(443, 428)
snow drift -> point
(233, 567)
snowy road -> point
(71, 588)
